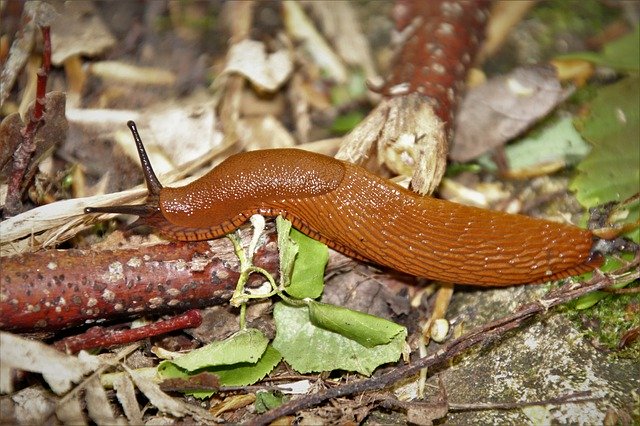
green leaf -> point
(309, 348)
(244, 346)
(307, 279)
(245, 373)
(622, 54)
(558, 141)
(347, 122)
(302, 262)
(266, 401)
(611, 171)
(233, 360)
(368, 330)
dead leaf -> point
(52, 133)
(30, 406)
(126, 394)
(233, 403)
(264, 132)
(167, 404)
(504, 107)
(98, 405)
(201, 381)
(266, 71)
(78, 31)
(59, 370)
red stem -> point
(25, 150)
(101, 337)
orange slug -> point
(366, 217)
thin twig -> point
(23, 154)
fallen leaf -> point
(494, 113)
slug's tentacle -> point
(150, 208)
(367, 217)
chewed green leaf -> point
(244, 346)
(309, 348)
(246, 373)
(368, 330)
(240, 374)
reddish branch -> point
(53, 290)
(104, 337)
(486, 333)
(442, 39)
(25, 150)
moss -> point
(606, 322)
(580, 18)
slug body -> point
(369, 218)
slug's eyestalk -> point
(153, 185)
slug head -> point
(149, 212)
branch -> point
(56, 289)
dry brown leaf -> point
(233, 403)
(70, 411)
(126, 394)
(98, 405)
(264, 132)
(301, 28)
(59, 370)
(266, 71)
(30, 406)
(78, 30)
(504, 107)
(167, 404)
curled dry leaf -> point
(301, 28)
(166, 403)
(78, 30)
(126, 394)
(98, 405)
(503, 108)
(58, 369)
(52, 133)
(265, 71)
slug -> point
(366, 217)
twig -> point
(575, 397)
(22, 155)
(487, 332)
(103, 337)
